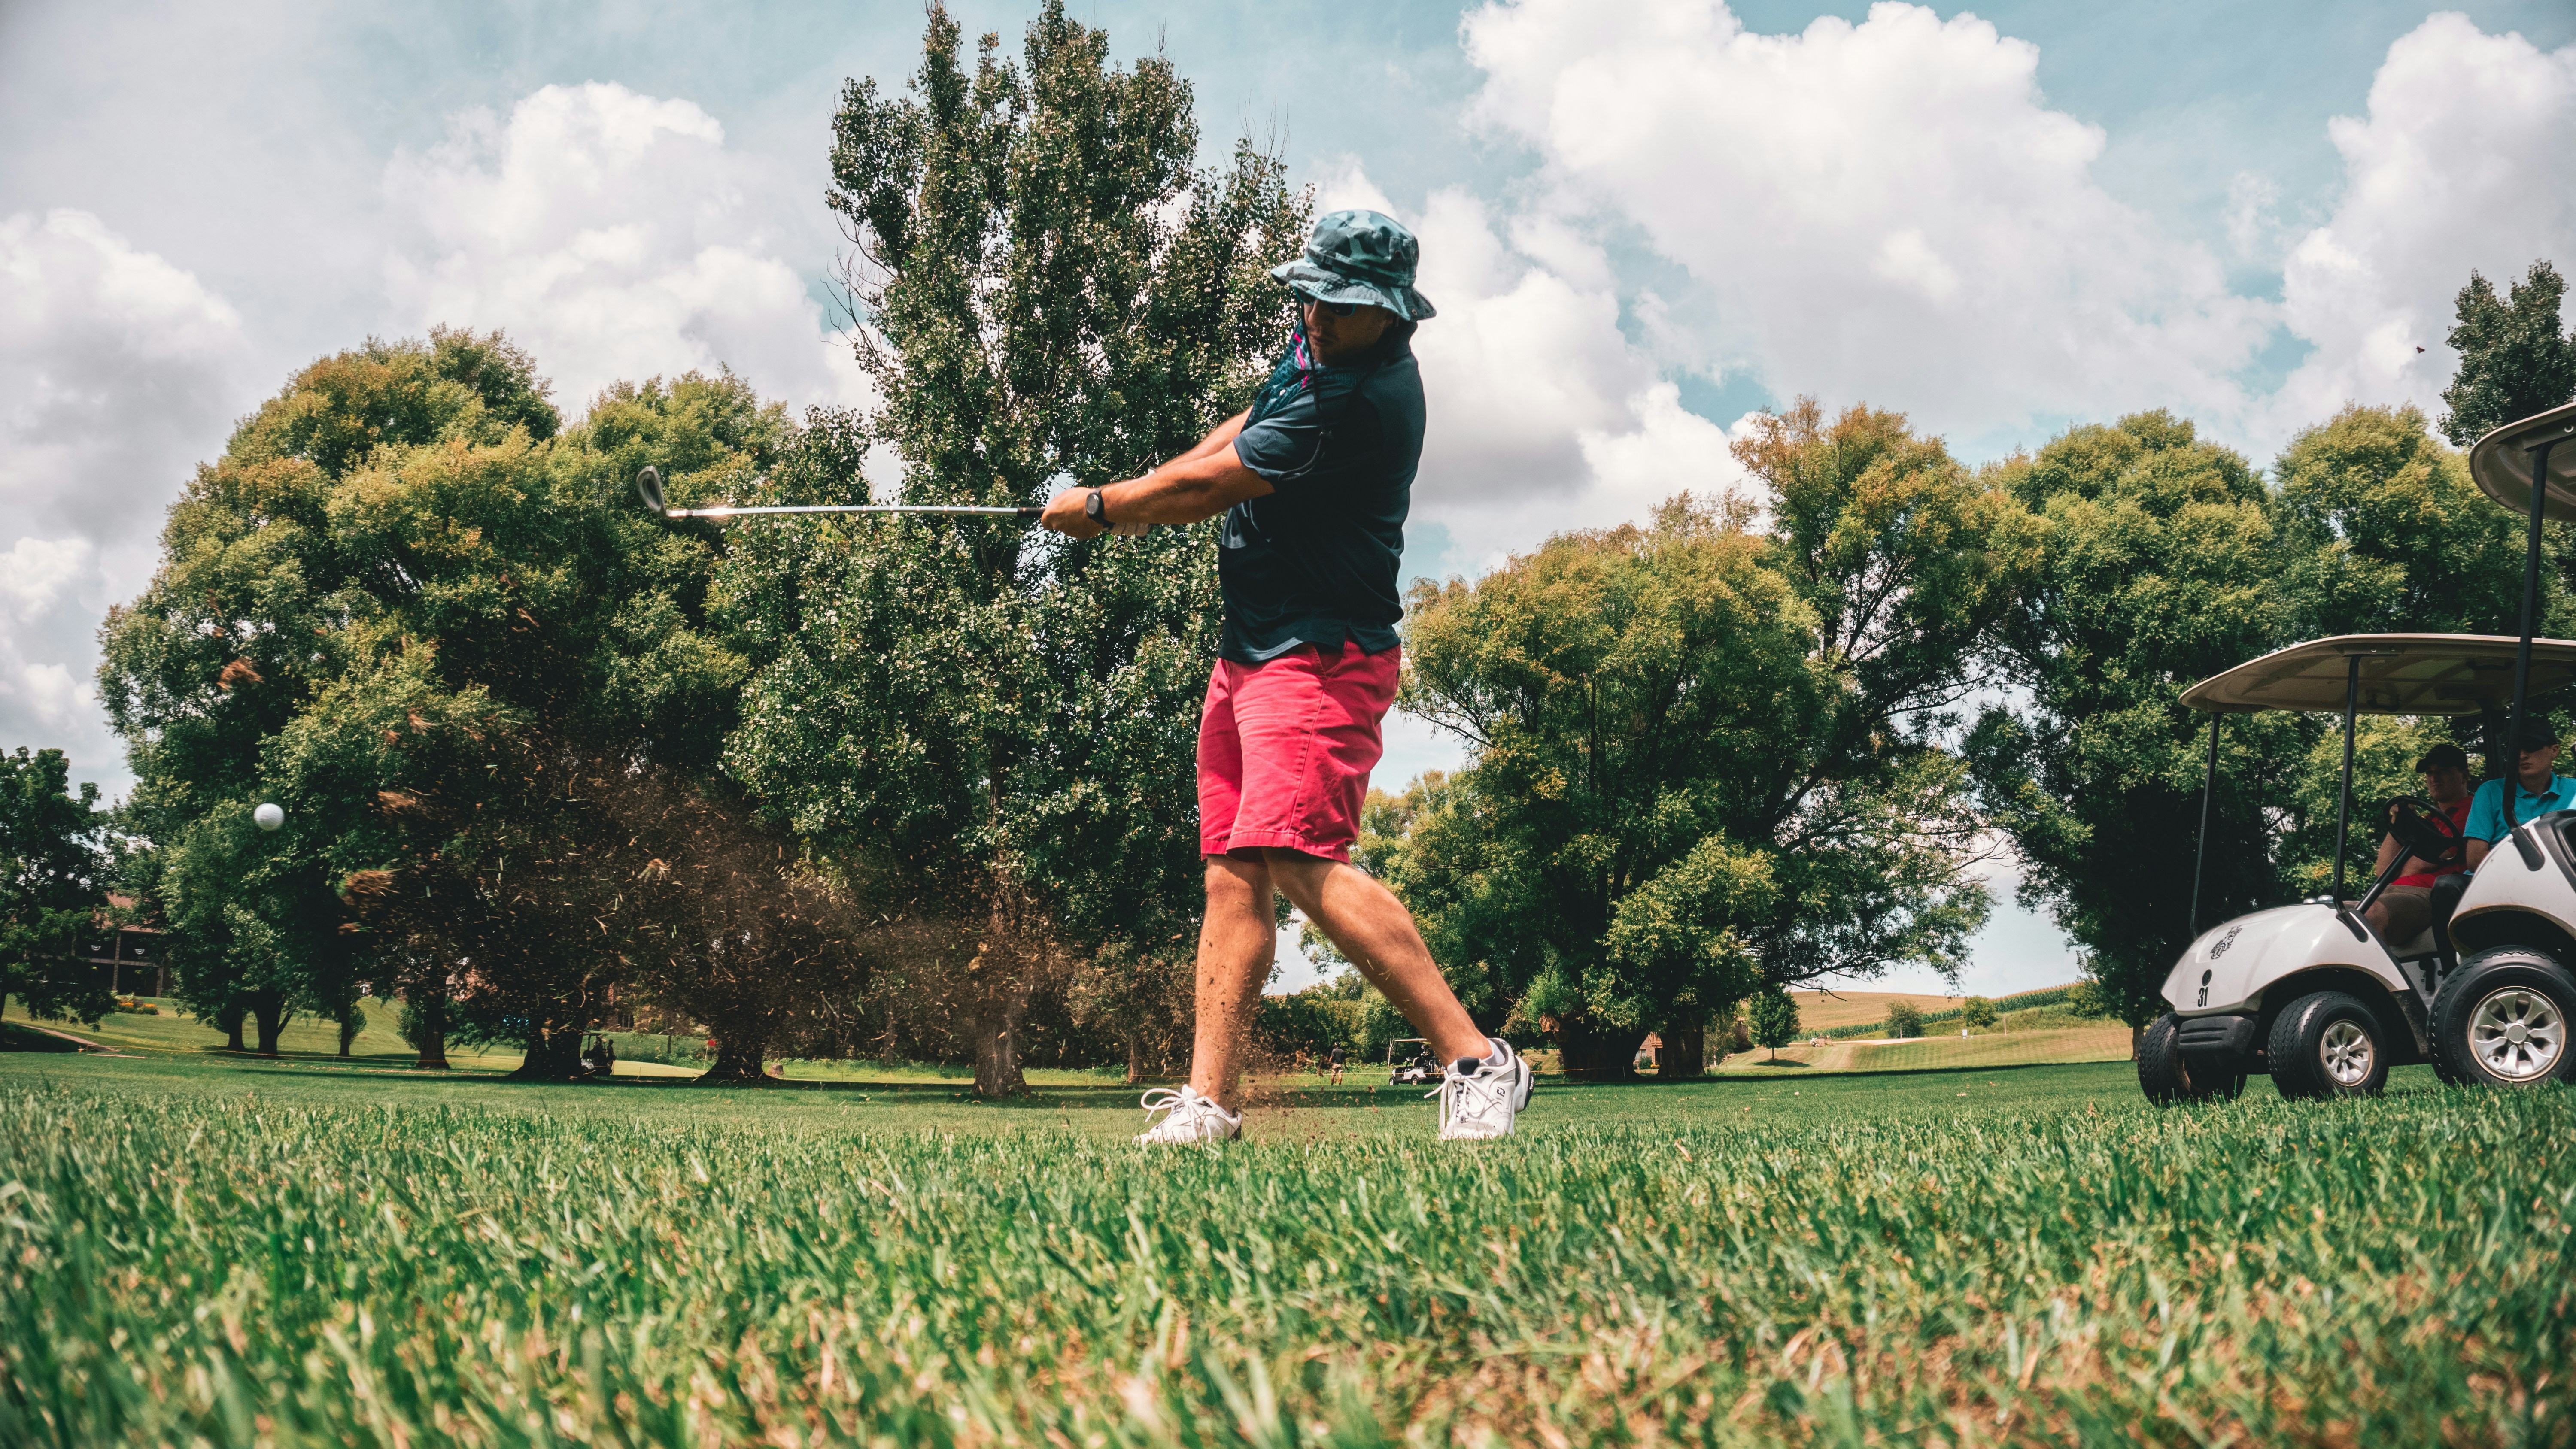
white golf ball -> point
(268, 817)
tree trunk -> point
(230, 1019)
(1135, 1059)
(737, 1063)
(432, 1045)
(1685, 1053)
(554, 1055)
(268, 1008)
(997, 1049)
(352, 1022)
(1591, 1051)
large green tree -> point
(260, 603)
(1704, 754)
(2166, 559)
(989, 729)
(400, 583)
(54, 864)
(2160, 563)
(2513, 359)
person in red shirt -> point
(2405, 909)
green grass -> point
(200, 1250)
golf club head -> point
(648, 486)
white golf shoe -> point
(1193, 1119)
(1485, 1099)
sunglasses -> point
(1330, 309)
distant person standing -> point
(1340, 1059)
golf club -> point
(648, 486)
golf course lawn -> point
(208, 1250)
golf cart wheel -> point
(2168, 1077)
(2503, 1020)
(2327, 1045)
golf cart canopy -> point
(2435, 674)
(2501, 463)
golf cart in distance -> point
(1411, 1068)
(2308, 992)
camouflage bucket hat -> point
(1360, 256)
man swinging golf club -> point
(1314, 481)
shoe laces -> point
(1185, 1105)
(1482, 1092)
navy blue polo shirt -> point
(1314, 561)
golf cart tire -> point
(2169, 1078)
(2494, 993)
(2328, 1044)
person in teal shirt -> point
(2543, 790)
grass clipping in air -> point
(188, 1267)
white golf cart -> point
(1409, 1062)
(2308, 993)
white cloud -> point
(615, 236)
(116, 370)
(1544, 416)
(2462, 162)
(1886, 212)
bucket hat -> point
(1360, 256)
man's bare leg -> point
(1237, 940)
(1366, 923)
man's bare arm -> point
(1201, 483)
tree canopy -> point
(55, 859)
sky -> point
(1640, 223)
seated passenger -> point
(2406, 907)
(2542, 791)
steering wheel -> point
(2425, 831)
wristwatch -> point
(1093, 509)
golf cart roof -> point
(2501, 463)
(2400, 673)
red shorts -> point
(1285, 749)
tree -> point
(2382, 531)
(2513, 360)
(54, 863)
(1706, 756)
(1904, 1019)
(736, 930)
(258, 605)
(2161, 566)
(1617, 688)
(991, 731)
(1774, 1016)
(1977, 1013)
(2167, 560)
(401, 582)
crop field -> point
(1942, 1051)
(1823, 1010)
(197, 1252)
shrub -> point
(2086, 998)
(1977, 1012)
(1904, 1018)
(1736, 1032)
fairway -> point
(271, 1253)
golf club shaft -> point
(729, 512)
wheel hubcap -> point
(2347, 1053)
(2517, 1034)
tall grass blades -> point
(249, 1270)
